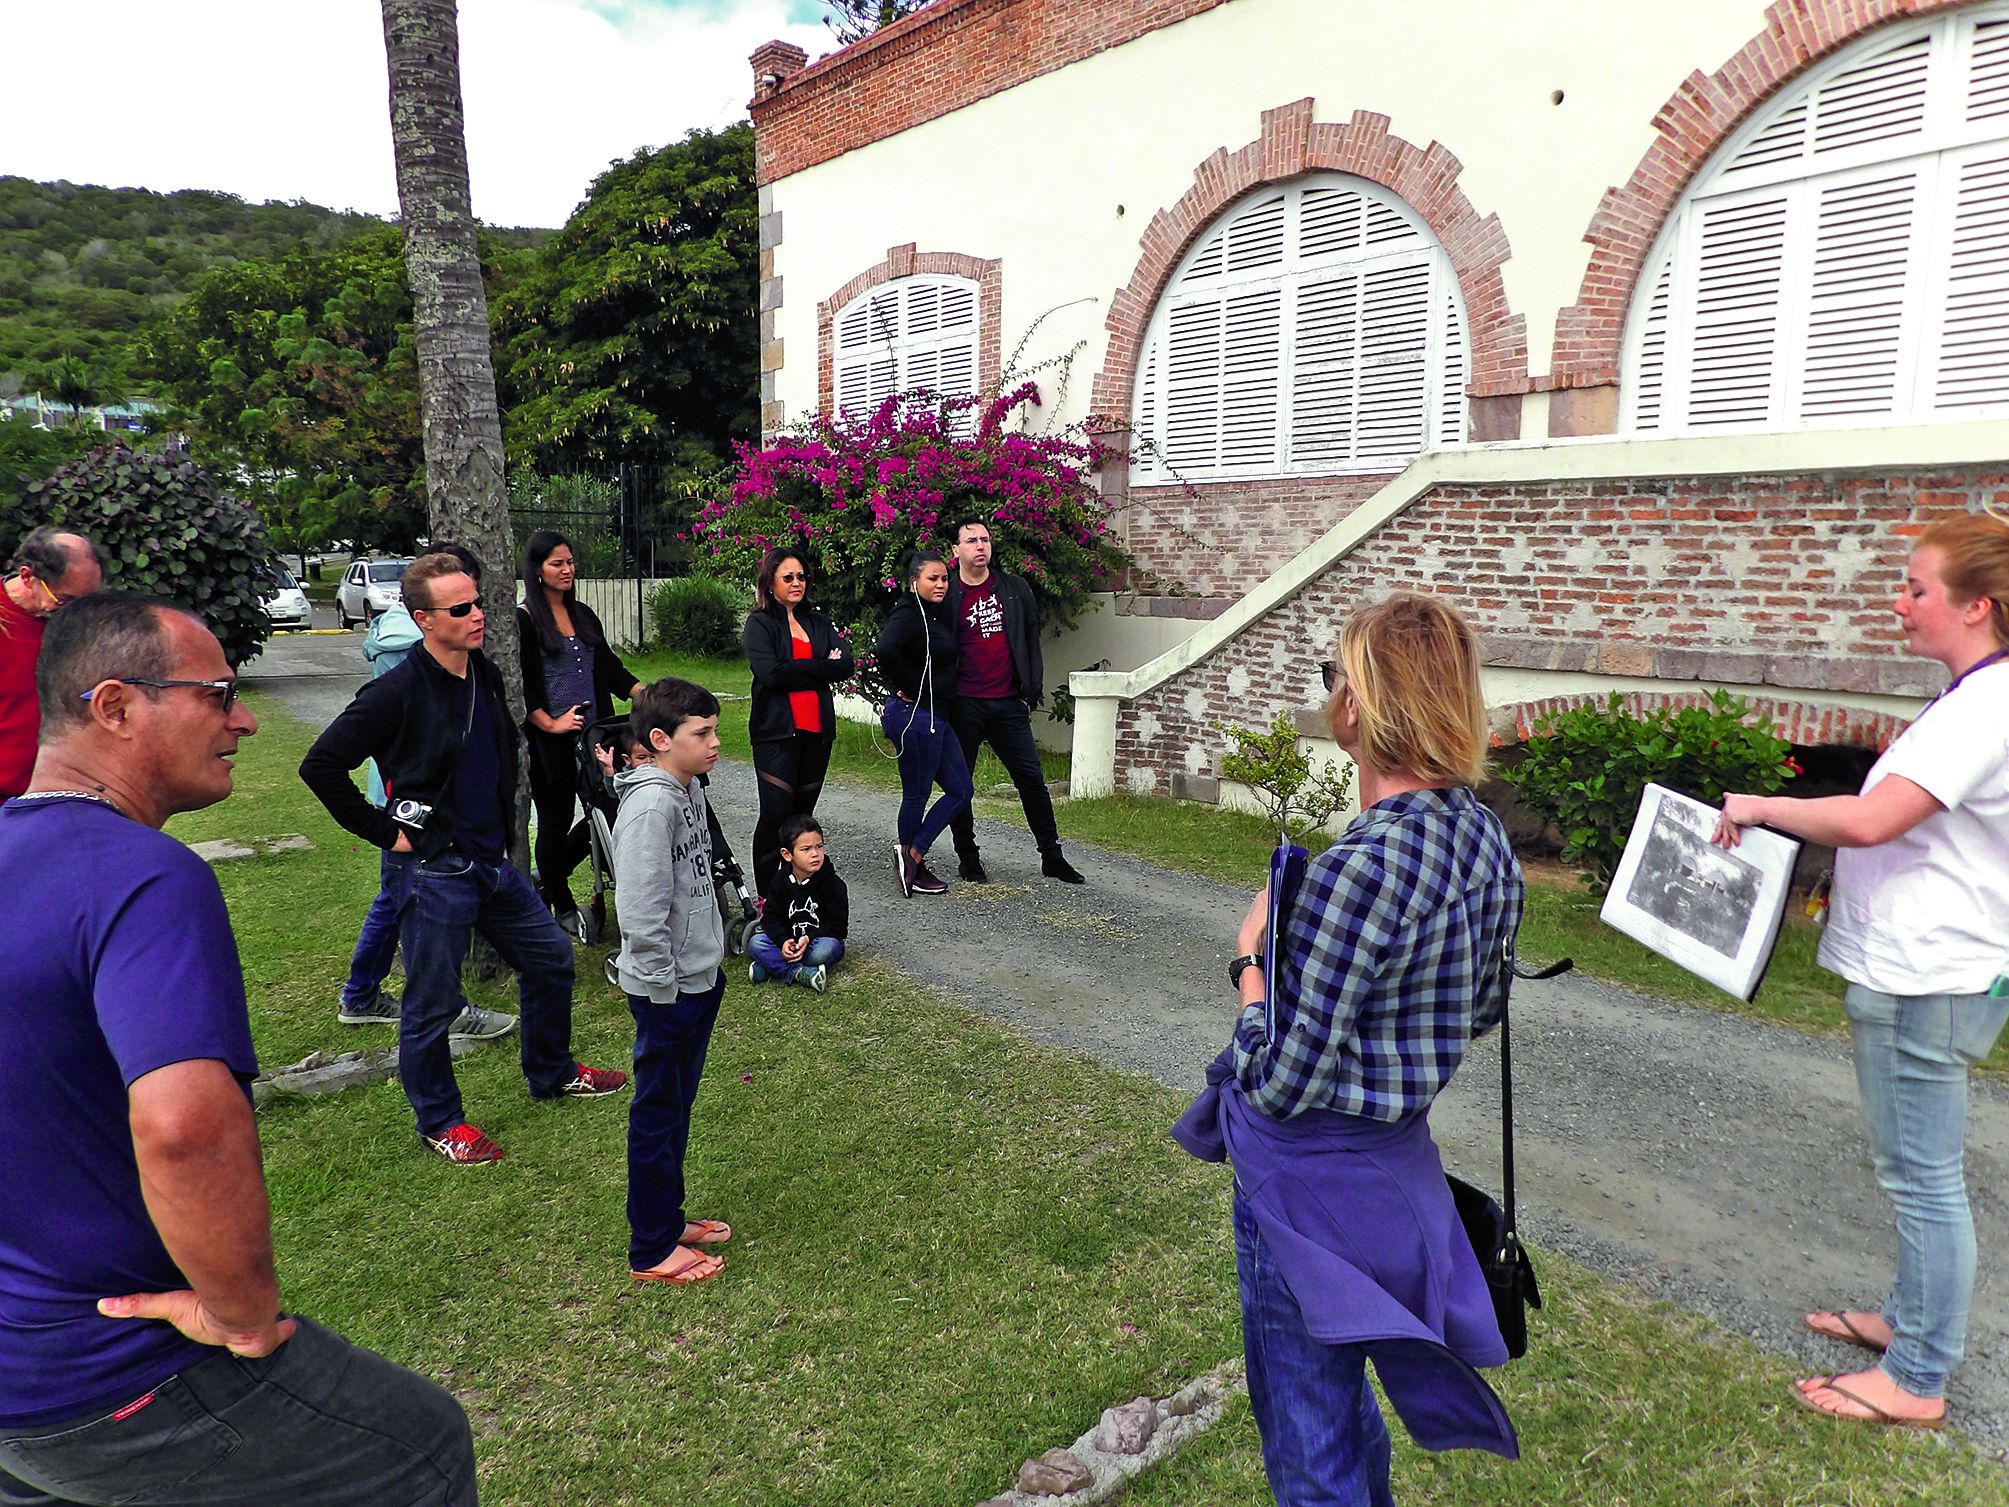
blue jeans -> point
(670, 1045)
(442, 902)
(377, 943)
(929, 755)
(1912, 1055)
(824, 952)
(318, 1422)
(1324, 1442)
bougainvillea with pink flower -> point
(854, 494)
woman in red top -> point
(796, 657)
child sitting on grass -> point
(806, 913)
(673, 941)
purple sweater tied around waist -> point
(1359, 1219)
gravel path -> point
(1713, 1162)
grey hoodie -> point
(672, 937)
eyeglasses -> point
(792, 576)
(56, 602)
(1329, 672)
(458, 609)
(227, 689)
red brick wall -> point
(1780, 581)
(1220, 539)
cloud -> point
(289, 101)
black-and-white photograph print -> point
(1699, 889)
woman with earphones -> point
(917, 656)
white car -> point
(368, 588)
(284, 602)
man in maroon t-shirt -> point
(999, 680)
(49, 567)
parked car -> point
(368, 588)
(284, 602)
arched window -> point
(918, 331)
(1317, 328)
(1845, 258)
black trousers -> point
(1005, 723)
(790, 777)
(554, 794)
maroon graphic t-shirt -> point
(984, 666)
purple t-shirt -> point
(119, 960)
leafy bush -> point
(700, 615)
(1297, 799)
(165, 528)
(1583, 770)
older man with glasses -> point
(49, 568)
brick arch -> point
(1697, 119)
(1292, 144)
(905, 261)
(1809, 724)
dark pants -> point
(561, 843)
(670, 1045)
(929, 755)
(1005, 723)
(1324, 1441)
(442, 902)
(790, 772)
(377, 943)
(316, 1423)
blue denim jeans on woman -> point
(1324, 1441)
(929, 755)
(764, 950)
(442, 902)
(1912, 1055)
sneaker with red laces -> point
(464, 1146)
(592, 1082)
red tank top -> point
(805, 705)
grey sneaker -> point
(477, 1024)
(379, 1011)
(817, 978)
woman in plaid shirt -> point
(1346, 1242)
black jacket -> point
(552, 755)
(1021, 617)
(413, 722)
(776, 671)
(909, 642)
(785, 911)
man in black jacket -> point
(1000, 680)
(438, 727)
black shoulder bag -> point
(1510, 1275)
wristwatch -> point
(1236, 965)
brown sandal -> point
(706, 1232)
(1852, 1336)
(685, 1272)
(1871, 1412)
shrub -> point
(1584, 770)
(166, 529)
(1297, 799)
(700, 615)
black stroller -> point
(596, 796)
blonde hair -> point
(1413, 665)
(1974, 556)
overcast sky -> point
(286, 99)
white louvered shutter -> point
(1970, 346)
(1193, 386)
(1326, 372)
(1451, 380)
(1145, 440)
(912, 333)
(1867, 233)
(1391, 416)
(1647, 389)
(1734, 315)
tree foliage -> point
(855, 20)
(165, 528)
(633, 334)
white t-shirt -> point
(1928, 912)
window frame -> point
(902, 348)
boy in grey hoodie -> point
(673, 941)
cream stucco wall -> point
(1060, 176)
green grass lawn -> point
(953, 1249)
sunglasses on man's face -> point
(458, 609)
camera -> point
(413, 814)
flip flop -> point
(1871, 1412)
(685, 1273)
(1854, 1336)
(708, 1232)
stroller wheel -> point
(736, 932)
(613, 973)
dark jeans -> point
(377, 943)
(1005, 723)
(1324, 1441)
(929, 754)
(670, 1045)
(824, 952)
(317, 1423)
(790, 777)
(441, 903)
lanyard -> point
(1979, 664)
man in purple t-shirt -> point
(143, 1352)
(999, 680)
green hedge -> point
(700, 615)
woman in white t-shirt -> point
(1919, 926)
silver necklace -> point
(80, 795)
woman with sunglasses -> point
(796, 658)
(570, 678)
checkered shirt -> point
(1391, 962)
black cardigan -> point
(551, 756)
(776, 671)
(919, 644)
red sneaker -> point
(592, 1082)
(464, 1146)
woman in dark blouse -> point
(570, 678)
(796, 658)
